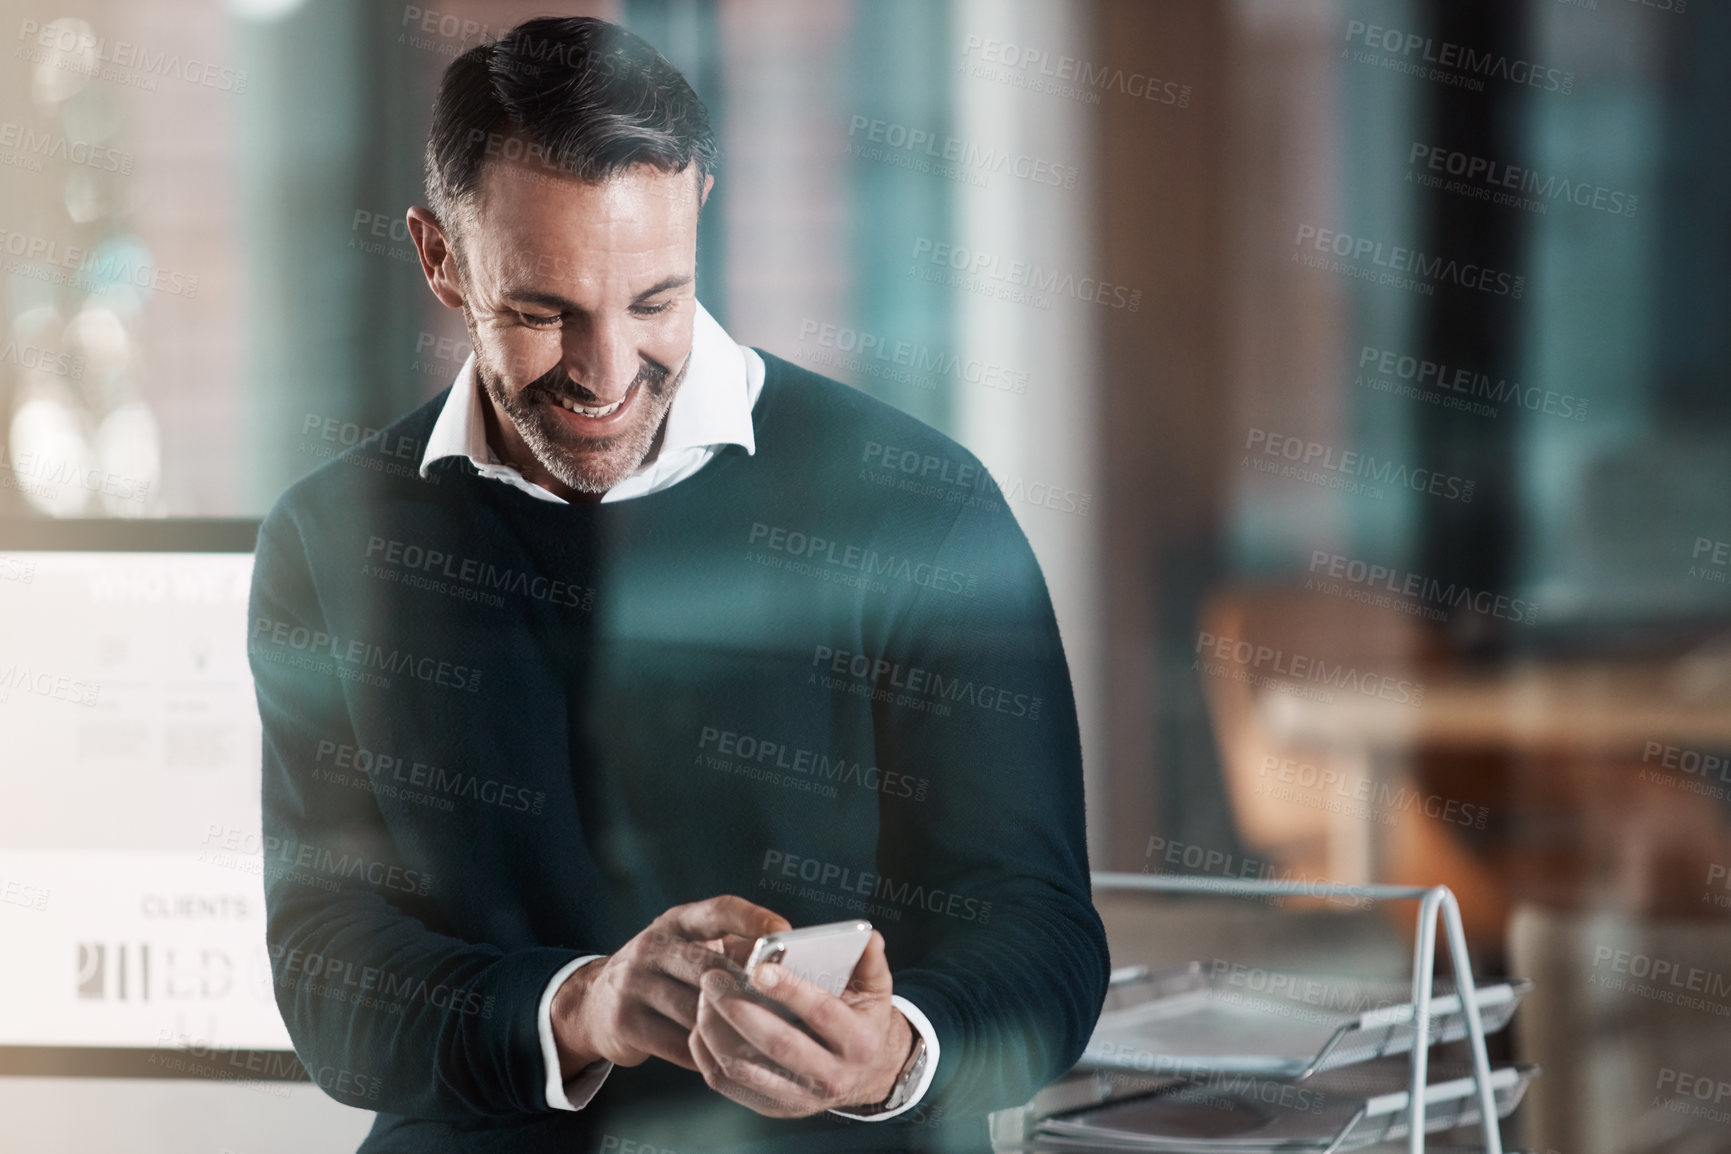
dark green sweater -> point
(500, 733)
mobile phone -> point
(823, 955)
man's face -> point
(579, 300)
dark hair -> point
(582, 97)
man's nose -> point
(602, 358)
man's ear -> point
(438, 257)
(708, 183)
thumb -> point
(871, 975)
(737, 949)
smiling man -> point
(656, 652)
(596, 282)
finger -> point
(684, 960)
(750, 1076)
(710, 1067)
(674, 1000)
(729, 1047)
(703, 1058)
(737, 949)
(718, 1033)
(832, 1019)
(871, 976)
(791, 1095)
(784, 1044)
(719, 916)
(726, 1052)
(656, 1034)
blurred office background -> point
(1358, 369)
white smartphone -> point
(823, 955)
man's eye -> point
(538, 322)
(652, 310)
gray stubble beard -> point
(612, 459)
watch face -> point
(910, 1074)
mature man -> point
(652, 623)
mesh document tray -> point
(1199, 1021)
(1238, 1114)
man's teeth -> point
(603, 411)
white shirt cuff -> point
(923, 1024)
(575, 1094)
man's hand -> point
(749, 1053)
(642, 1001)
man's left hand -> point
(762, 1061)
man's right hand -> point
(642, 1001)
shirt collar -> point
(712, 407)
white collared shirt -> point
(711, 410)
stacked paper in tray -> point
(1238, 1061)
(1278, 1025)
(1339, 1109)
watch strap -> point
(912, 1070)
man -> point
(649, 655)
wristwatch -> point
(912, 1070)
